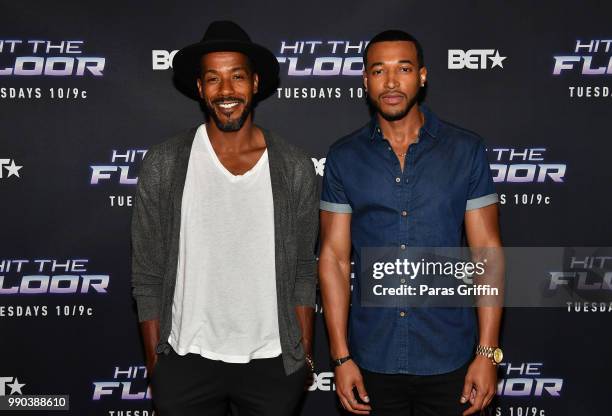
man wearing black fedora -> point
(224, 226)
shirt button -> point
(402, 314)
(403, 246)
(398, 179)
(404, 213)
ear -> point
(365, 79)
(255, 83)
(423, 76)
(199, 85)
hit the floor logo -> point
(588, 65)
(50, 276)
(527, 380)
(525, 165)
(28, 57)
(321, 58)
(121, 165)
(128, 383)
(590, 57)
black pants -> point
(192, 385)
(411, 395)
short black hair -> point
(395, 35)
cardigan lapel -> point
(182, 162)
(280, 197)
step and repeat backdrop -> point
(86, 88)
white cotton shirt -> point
(224, 306)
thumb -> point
(467, 390)
(363, 394)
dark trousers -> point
(193, 385)
(411, 395)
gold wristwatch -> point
(494, 353)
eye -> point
(238, 76)
(406, 69)
(377, 71)
(211, 79)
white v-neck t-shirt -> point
(224, 306)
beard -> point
(397, 114)
(229, 125)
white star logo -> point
(16, 386)
(319, 165)
(497, 60)
(13, 169)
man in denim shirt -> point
(406, 179)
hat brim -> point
(186, 65)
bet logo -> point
(9, 166)
(474, 59)
(12, 383)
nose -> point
(227, 87)
(390, 80)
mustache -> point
(228, 98)
(392, 93)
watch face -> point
(498, 355)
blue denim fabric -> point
(446, 172)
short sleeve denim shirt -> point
(446, 172)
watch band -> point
(495, 354)
(484, 350)
(339, 361)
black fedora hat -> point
(225, 36)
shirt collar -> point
(430, 127)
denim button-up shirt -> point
(446, 172)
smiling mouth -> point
(228, 105)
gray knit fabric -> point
(156, 226)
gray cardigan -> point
(156, 220)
